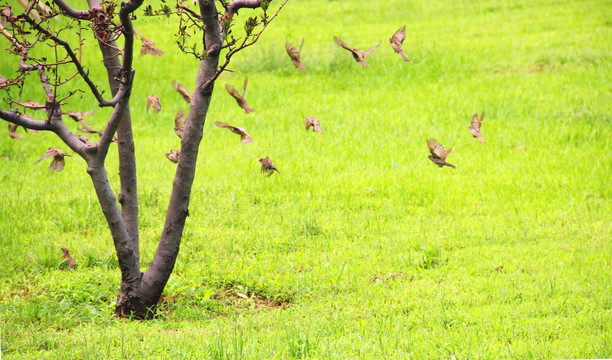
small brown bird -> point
(58, 159)
(359, 56)
(87, 130)
(294, 54)
(70, 262)
(186, 94)
(240, 100)
(148, 47)
(438, 153)
(397, 40)
(245, 137)
(78, 116)
(475, 125)
(313, 122)
(153, 100)
(267, 166)
(179, 123)
(173, 155)
(12, 128)
(85, 140)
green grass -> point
(362, 248)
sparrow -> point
(70, 262)
(87, 130)
(85, 140)
(187, 96)
(78, 116)
(179, 123)
(12, 128)
(357, 55)
(148, 47)
(58, 159)
(267, 166)
(153, 100)
(294, 54)
(438, 153)
(239, 98)
(173, 155)
(245, 137)
(475, 125)
(313, 122)
(396, 41)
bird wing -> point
(436, 149)
(186, 94)
(341, 43)
(302, 44)
(400, 34)
(288, 47)
(222, 124)
(246, 79)
(369, 51)
(475, 123)
(50, 152)
(179, 123)
(230, 89)
(481, 118)
(245, 137)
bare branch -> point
(232, 7)
(15, 117)
(73, 13)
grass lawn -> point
(362, 247)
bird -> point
(186, 94)
(475, 125)
(66, 255)
(179, 123)
(173, 155)
(438, 153)
(240, 100)
(313, 122)
(88, 130)
(396, 42)
(294, 54)
(153, 100)
(357, 55)
(78, 116)
(58, 159)
(267, 166)
(85, 140)
(148, 47)
(245, 137)
(12, 129)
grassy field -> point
(362, 248)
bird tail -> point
(404, 56)
(247, 109)
(301, 66)
(481, 139)
(449, 164)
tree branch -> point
(69, 11)
(232, 7)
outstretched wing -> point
(437, 150)
(400, 34)
(475, 123)
(341, 43)
(246, 79)
(186, 94)
(369, 51)
(179, 123)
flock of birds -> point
(438, 152)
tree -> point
(139, 292)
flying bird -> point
(396, 42)
(475, 125)
(12, 129)
(66, 255)
(153, 100)
(173, 155)
(294, 54)
(359, 56)
(186, 94)
(313, 122)
(179, 123)
(78, 116)
(245, 137)
(58, 159)
(85, 140)
(267, 166)
(438, 153)
(240, 100)
(148, 47)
